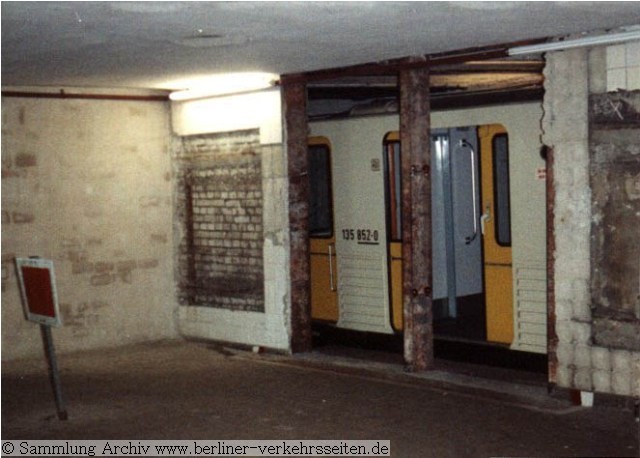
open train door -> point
(496, 230)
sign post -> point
(40, 301)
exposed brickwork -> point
(219, 208)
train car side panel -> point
(361, 235)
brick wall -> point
(219, 210)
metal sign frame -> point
(37, 282)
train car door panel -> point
(439, 212)
(324, 301)
(465, 194)
(496, 228)
(393, 184)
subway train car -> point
(489, 230)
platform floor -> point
(190, 390)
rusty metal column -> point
(416, 215)
(294, 101)
(552, 336)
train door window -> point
(502, 189)
(320, 199)
(394, 183)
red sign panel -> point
(37, 285)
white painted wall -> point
(87, 183)
(229, 113)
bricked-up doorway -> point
(219, 211)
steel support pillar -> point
(294, 102)
(416, 215)
(552, 336)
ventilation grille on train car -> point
(363, 293)
(531, 308)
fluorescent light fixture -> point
(224, 84)
(596, 40)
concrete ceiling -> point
(162, 45)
